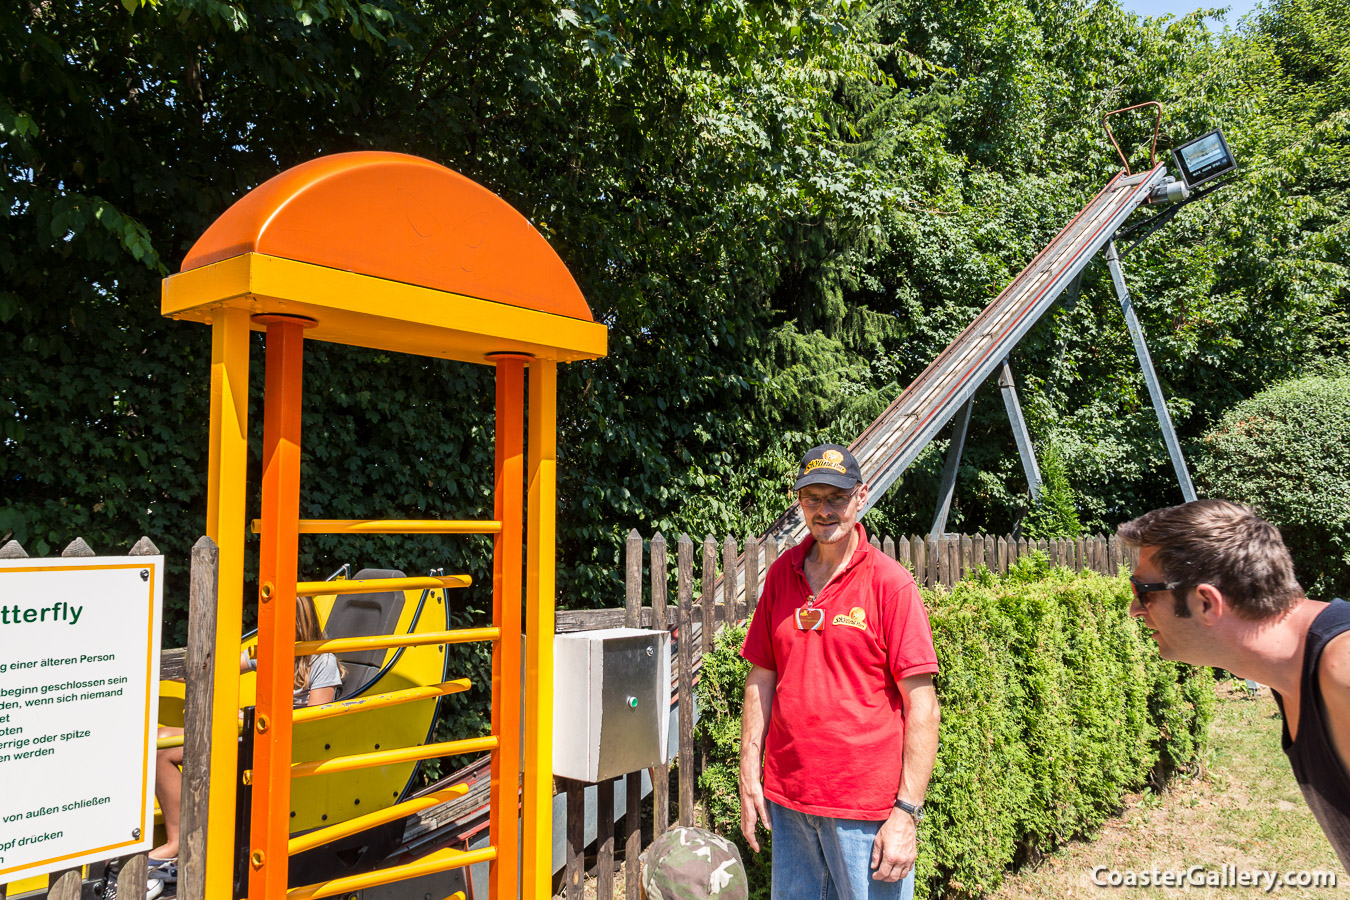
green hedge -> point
(1054, 705)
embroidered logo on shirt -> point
(855, 619)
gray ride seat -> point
(364, 615)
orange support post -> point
(507, 562)
(277, 576)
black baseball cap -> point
(828, 464)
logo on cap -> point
(830, 459)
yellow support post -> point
(537, 882)
(226, 493)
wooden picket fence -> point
(725, 589)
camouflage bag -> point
(692, 864)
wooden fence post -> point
(888, 547)
(932, 548)
(197, 709)
(771, 552)
(729, 580)
(685, 588)
(632, 845)
(707, 602)
(660, 773)
(574, 868)
(751, 575)
(604, 840)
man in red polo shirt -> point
(839, 703)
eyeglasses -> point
(836, 502)
(1143, 588)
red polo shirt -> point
(837, 727)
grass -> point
(1242, 809)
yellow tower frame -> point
(392, 252)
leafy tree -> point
(1055, 515)
(1286, 453)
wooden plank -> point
(633, 618)
(707, 601)
(199, 659)
(632, 580)
(888, 547)
(751, 575)
(661, 772)
(604, 840)
(135, 871)
(729, 580)
(11, 550)
(686, 662)
(571, 620)
(933, 550)
(67, 884)
(574, 865)
(976, 552)
(1021, 547)
(918, 551)
(771, 551)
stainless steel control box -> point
(611, 702)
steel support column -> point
(960, 424)
(1025, 449)
(1150, 375)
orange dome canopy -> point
(401, 218)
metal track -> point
(899, 434)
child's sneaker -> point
(153, 888)
(166, 872)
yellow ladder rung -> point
(380, 701)
(392, 757)
(176, 740)
(386, 641)
(337, 832)
(392, 526)
(375, 585)
(440, 861)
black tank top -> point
(1321, 777)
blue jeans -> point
(821, 858)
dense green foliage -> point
(783, 211)
(1286, 452)
(1054, 515)
(1054, 704)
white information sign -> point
(79, 675)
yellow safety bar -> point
(321, 836)
(391, 526)
(374, 585)
(440, 861)
(385, 641)
(392, 757)
(379, 701)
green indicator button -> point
(632, 703)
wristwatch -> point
(915, 811)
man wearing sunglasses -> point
(840, 726)
(1215, 585)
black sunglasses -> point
(1143, 588)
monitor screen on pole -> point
(1205, 158)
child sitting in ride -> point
(318, 679)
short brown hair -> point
(1224, 544)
